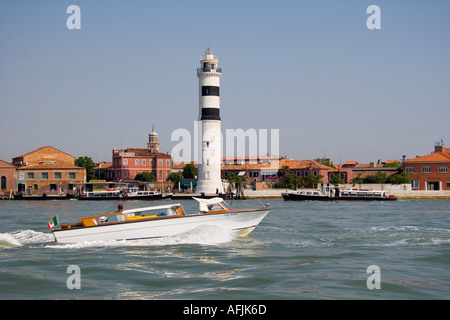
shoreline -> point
(276, 194)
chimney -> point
(439, 146)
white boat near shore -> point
(159, 221)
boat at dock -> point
(328, 193)
(158, 222)
(108, 191)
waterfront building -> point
(431, 171)
(127, 163)
(209, 122)
(48, 170)
(7, 178)
(259, 173)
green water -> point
(301, 250)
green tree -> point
(379, 177)
(336, 180)
(175, 177)
(189, 171)
(400, 178)
(312, 180)
(292, 181)
(87, 163)
(325, 162)
(145, 176)
(358, 179)
(239, 182)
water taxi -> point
(158, 221)
(328, 193)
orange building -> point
(48, 170)
(430, 172)
(7, 178)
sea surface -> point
(301, 250)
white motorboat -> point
(159, 221)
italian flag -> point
(52, 223)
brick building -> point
(255, 173)
(430, 172)
(127, 163)
(47, 170)
(7, 178)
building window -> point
(57, 175)
(35, 187)
(306, 173)
(143, 162)
(426, 169)
(71, 175)
(53, 187)
(409, 169)
(70, 187)
(315, 172)
(159, 162)
(3, 183)
(30, 175)
(448, 184)
(44, 175)
(160, 174)
(442, 170)
(136, 163)
(168, 163)
(415, 184)
(125, 162)
(151, 162)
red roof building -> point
(127, 163)
(430, 172)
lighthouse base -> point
(209, 187)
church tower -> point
(209, 178)
(153, 144)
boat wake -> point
(23, 237)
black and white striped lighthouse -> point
(209, 73)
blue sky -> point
(311, 69)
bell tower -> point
(153, 144)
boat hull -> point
(300, 197)
(240, 222)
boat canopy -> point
(204, 203)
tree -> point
(175, 177)
(400, 178)
(325, 162)
(145, 176)
(291, 181)
(336, 180)
(358, 179)
(312, 180)
(189, 171)
(239, 182)
(87, 163)
(379, 177)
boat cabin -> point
(130, 215)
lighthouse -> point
(209, 125)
